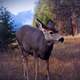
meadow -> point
(64, 62)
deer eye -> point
(51, 32)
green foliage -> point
(43, 11)
(60, 11)
(7, 33)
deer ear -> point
(41, 27)
(45, 27)
(41, 24)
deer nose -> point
(61, 40)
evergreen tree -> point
(42, 11)
(7, 33)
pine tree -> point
(42, 11)
(7, 33)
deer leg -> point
(24, 63)
(36, 67)
(48, 73)
(24, 68)
(39, 68)
(27, 69)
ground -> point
(64, 63)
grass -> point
(64, 63)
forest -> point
(65, 13)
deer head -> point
(49, 34)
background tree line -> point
(65, 13)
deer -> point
(37, 42)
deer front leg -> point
(48, 73)
(24, 68)
(36, 69)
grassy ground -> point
(64, 63)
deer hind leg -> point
(24, 63)
(25, 67)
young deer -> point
(38, 43)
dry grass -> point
(64, 63)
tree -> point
(42, 11)
(64, 12)
(7, 33)
(67, 12)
